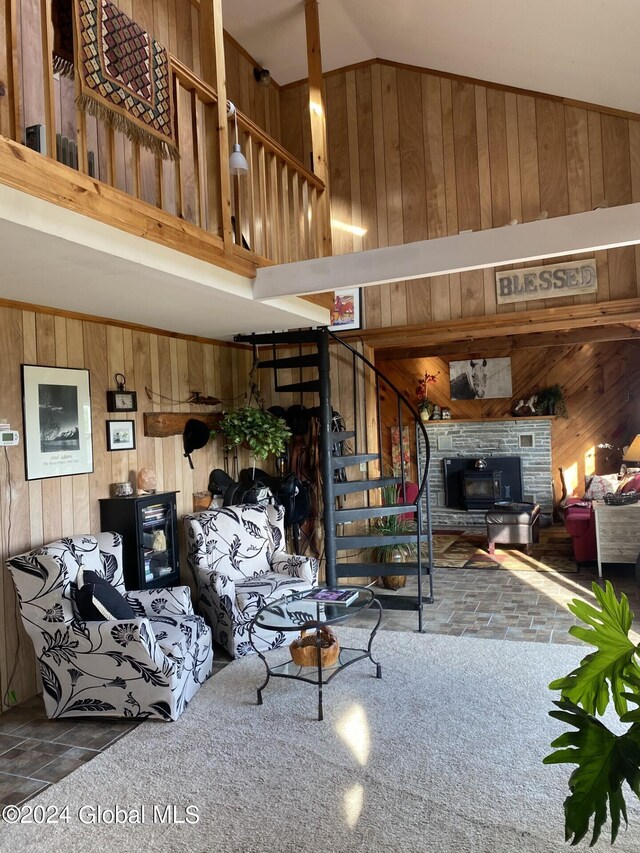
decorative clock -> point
(121, 400)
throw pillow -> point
(98, 601)
(601, 485)
(631, 483)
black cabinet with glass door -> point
(148, 527)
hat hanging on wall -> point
(196, 434)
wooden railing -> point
(274, 208)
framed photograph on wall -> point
(121, 435)
(346, 310)
(480, 379)
(56, 405)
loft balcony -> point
(172, 230)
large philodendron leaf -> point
(613, 662)
(605, 761)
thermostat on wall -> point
(8, 436)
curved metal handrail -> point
(423, 484)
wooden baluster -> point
(178, 169)
(306, 230)
(297, 255)
(313, 216)
(199, 197)
(135, 164)
(251, 183)
(262, 194)
(159, 183)
(11, 121)
(274, 211)
(284, 208)
(111, 155)
(81, 118)
(46, 34)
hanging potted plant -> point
(262, 433)
(425, 406)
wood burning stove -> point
(481, 487)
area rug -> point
(124, 76)
(442, 755)
(468, 550)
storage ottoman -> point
(513, 524)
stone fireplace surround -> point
(528, 438)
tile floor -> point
(489, 603)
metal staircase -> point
(366, 437)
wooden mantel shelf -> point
(486, 420)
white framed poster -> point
(56, 404)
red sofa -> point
(579, 518)
(580, 523)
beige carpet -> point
(468, 550)
(442, 755)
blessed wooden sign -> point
(568, 279)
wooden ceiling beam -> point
(511, 343)
(592, 314)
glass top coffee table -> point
(294, 613)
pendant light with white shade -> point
(237, 161)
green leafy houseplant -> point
(605, 760)
(392, 525)
(262, 432)
(551, 401)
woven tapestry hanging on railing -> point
(124, 75)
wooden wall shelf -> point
(486, 420)
(164, 424)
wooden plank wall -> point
(39, 511)
(261, 104)
(601, 383)
(416, 155)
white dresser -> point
(617, 533)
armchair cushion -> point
(266, 587)
(96, 599)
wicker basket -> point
(304, 651)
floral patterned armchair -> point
(238, 560)
(147, 667)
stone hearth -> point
(528, 438)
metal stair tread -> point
(310, 385)
(364, 485)
(347, 459)
(354, 513)
(342, 435)
(310, 360)
(373, 540)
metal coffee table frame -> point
(334, 614)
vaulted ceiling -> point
(585, 50)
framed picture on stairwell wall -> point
(346, 310)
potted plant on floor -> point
(392, 525)
(605, 759)
(261, 432)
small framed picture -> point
(121, 435)
(122, 401)
(346, 310)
